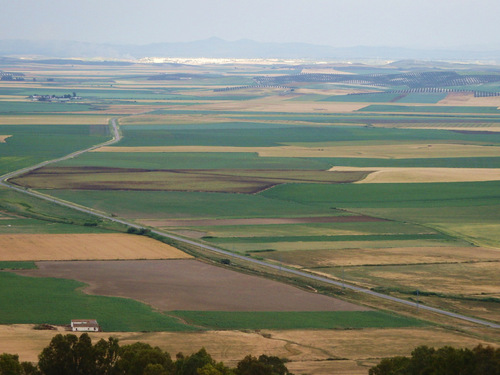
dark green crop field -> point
(29, 145)
(456, 194)
(141, 204)
(296, 320)
(275, 135)
(30, 300)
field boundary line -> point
(117, 137)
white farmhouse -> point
(85, 325)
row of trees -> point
(444, 361)
(72, 355)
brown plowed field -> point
(261, 221)
(223, 180)
(188, 285)
(22, 247)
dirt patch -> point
(400, 151)
(4, 137)
(189, 285)
(23, 247)
(409, 175)
(260, 221)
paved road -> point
(117, 137)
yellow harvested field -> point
(107, 246)
(309, 351)
(458, 127)
(399, 151)
(324, 71)
(53, 120)
(387, 256)
(468, 99)
(3, 138)
(416, 175)
(280, 104)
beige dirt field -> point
(490, 128)
(3, 138)
(398, 151)
(53, 120)
(309, 351)
(385, 256)
(24, 247)
(418, 175)
(280, 104)
(323, 71)
(468, 99)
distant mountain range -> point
(246, 49)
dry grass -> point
(280, 104)
(385, 256)
(23, 247)
(408, 175)
(308, 351)
(324, 71)
(53, 120)
(400, 151)
(484, 127)
(3, 138)
(468, 99)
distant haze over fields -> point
(245, 49)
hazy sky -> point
(407, 23)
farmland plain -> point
(248, 170)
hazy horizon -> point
(444, 24)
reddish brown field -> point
(188, 285)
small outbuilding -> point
(85, 325)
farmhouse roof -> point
(84, 323)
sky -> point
(435, 24)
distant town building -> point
(85, 325)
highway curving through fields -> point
(116, 137)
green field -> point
(40, 216)
(456, 194)
(313, 229)
(382, 97)
(32, 144)
(10, 108)
(359, 237)
(13, 265)
(268, 135)
(296, 320)
(27, 300)
(152, 204)
(193, 160)
(425, 98)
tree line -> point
(73, 355)
(444, 361)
